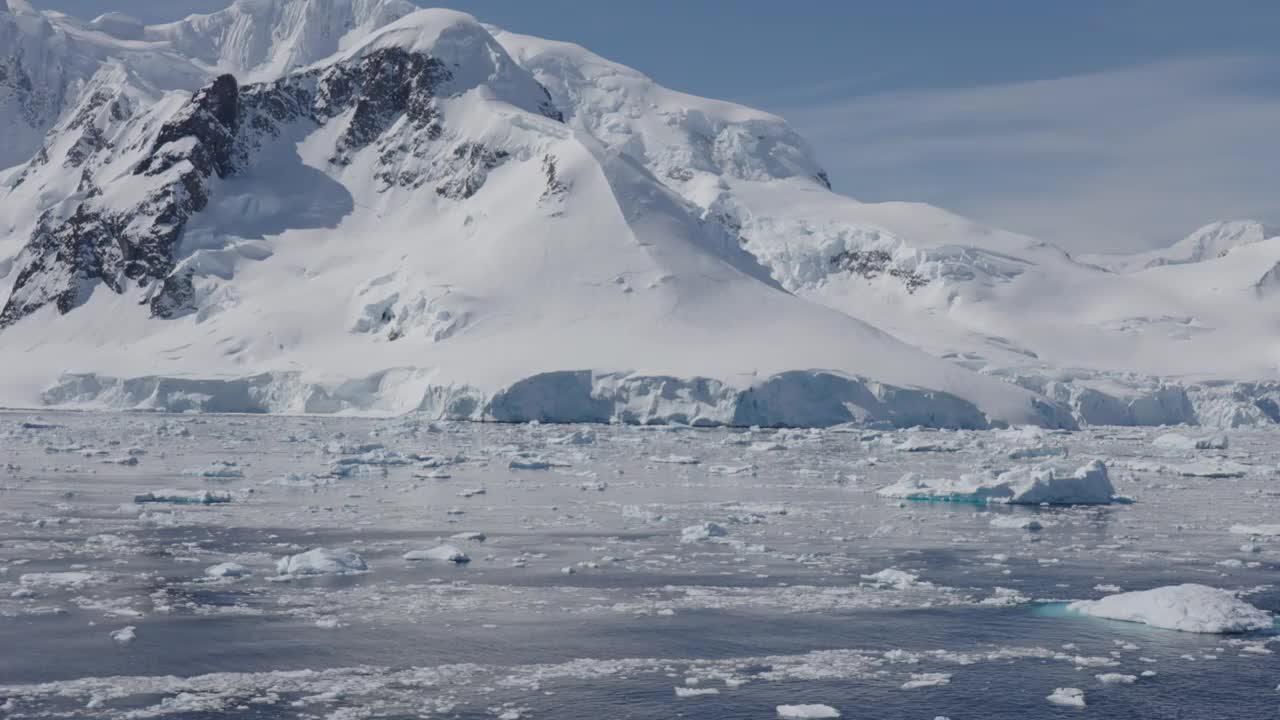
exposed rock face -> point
(98, 244)
(217, 134)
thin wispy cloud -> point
(1115, 160)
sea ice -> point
(1188, 608)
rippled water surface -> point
(582, 600)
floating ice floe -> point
(1209, 468)
(1263, 530)
(900, 579)
(1116, 679)
(530, 461)
(705, 531)
(1038, 451)
(920, 444)
(321, 561)
(1067, 697)
(578, 437)
(807, 712)
(469, 536)
(1188, 608)
(924, 680)
(66, 579)
(729, 469)
(442, 553)
(227, 570)
(1013, 522)
(695, 691)
(1174, 441)
(184, 497)
(1089, 485)
(220, 469)
(675, 459)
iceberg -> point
(1187, 608)
(1089, 485)
(321, 561)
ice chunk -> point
(469, 536)
(705, 531)
(227, 570)
(1189, 608)
(125, 635)
(1089, 485)
(442, 553)
(1067, 697)
(321, 561)
(807, 712)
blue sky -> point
(1101, 125)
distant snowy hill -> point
(1209, 242)
(357, 206)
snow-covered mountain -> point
(1138, 347)
(355, 205)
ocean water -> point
(582, 601)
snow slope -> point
(409, 225)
